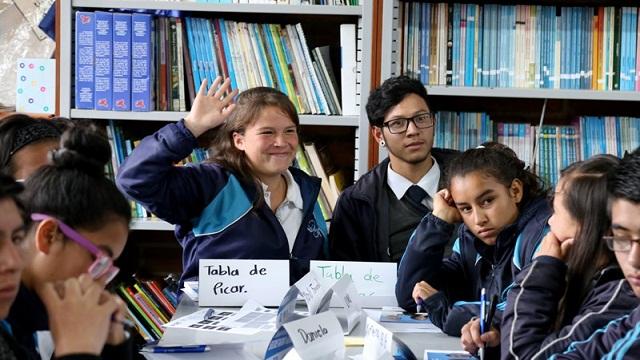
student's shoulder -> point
(370, 183)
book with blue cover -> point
(103, 60)
(121, 62)
(141, 63)
(84, 53)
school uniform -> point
(360, 228)
(29, 315)
(532, 309)
(473, 265)
(619, 339)
(215, 214)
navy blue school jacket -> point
(619, 339)
(472, 265)
(532, 309)
(213, 211)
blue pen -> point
(483, 312)
(177, 349)
(419, 305)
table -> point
(256, 345)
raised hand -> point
(210, 109)
(79, 315)
(444, 207)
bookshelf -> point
(320, 22)
(509, 101)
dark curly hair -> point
(391, 93)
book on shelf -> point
(526, 46)
(103, 60)
(84, 60)
(121, 62)
(348, 68)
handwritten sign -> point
(378, 341)
(231, 282)
(375, 281)
(316, 296)
(346, 294)
(314, 337)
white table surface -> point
(255, 345)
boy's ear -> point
(377, 133)
(46, 234)
(517, 190)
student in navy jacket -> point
(247, 203)
(79, 310)
(79, 219)
(504, 211)
(374, 218)
(619, 338)
(573, 293)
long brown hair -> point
(585, 190)
(249, 106)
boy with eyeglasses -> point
(620, 339)
(374, 218)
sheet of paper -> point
(250, 319)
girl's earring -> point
(383, 143)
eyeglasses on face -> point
(102, 266)
(620, 243)
(400, 125)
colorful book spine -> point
(121, 62)
(84, 58)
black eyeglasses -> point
(620, 243)
(400, 125)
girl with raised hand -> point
(80, 224)
(247, 202)
(503, 210)
(80, 311)
(574, 286)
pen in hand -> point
(483, 311)
(420, 305)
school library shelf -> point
(316, 54)
(555, 80)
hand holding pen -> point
(472, 339)
(421, 292)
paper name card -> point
(315, 337)
(315, 295)
(378, 341)
(346, 295)
(35, 86)
(231, 282)
(370, 278)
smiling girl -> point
(502, 207)
(247, 202)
